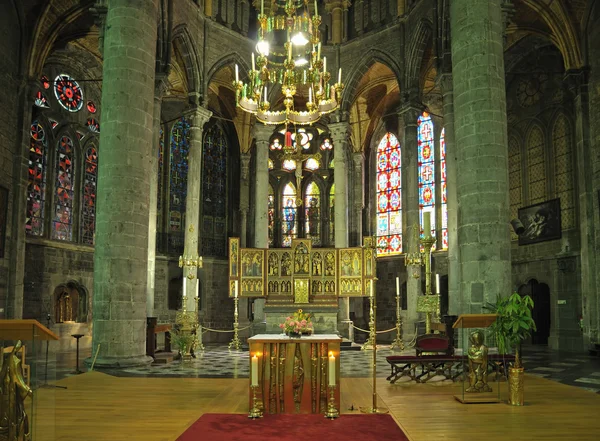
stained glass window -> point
(36, 185)
(91, 107)
(276, 145)
(289, 164)
(271, 164)
(88, 203)
(444, 194)
(178, 174)
(271, 214)
(389, 196)
(300, 137)
(426, 164)
(563, 170)
(312, 164)
(289, 224)
(161, 163)
(41, 100)
(80, 135)
(62, 223)
(332, 215)
(536, 166)
(312, 213)
(68, 93)
(515, 180)
(93, 125)
(327, 145)
(53, 123)
(45, 81)
(214, 193)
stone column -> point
(127, 138)
(160, 88)
(336, 8)
(454, 297)
(192, 239)
(578, 83)
(409, 115)
(245, 196)
(340, 133)
(481, 151)
(262, 133)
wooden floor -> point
(99, 407)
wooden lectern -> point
(25, 330)
(464, 323)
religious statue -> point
(313, 218)
(478, 364)
(64, 308)
(273, 265)
(286, 264)
(14, 421)
(316, 262)
(330, 264)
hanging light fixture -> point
(288, 59)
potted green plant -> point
(513, 325)
(183, 341)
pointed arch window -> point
(88, 200)
(312, 213)
(389, 196)
(62, 223)
(289, 224)
(271, 214)
(214, 193)
(563, 170)
(178, 159)
(444, 192)
(514, 180)
(36, 185)
(536, 166)
(426, 164)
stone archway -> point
(542, 313)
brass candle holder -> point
(398, 343)
(371, 341)
(332, 412)
(235, 342)
(256, 411)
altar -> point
(294, 373)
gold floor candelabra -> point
(398, 343)
(371, 341)
(332, 412)
(187, 321)
(235, 342)
(256, 411)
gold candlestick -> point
(235, 342)
(332, 412)
(371, 341)
(398, 343)
(256, 411)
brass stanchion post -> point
(235, 342)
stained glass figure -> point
(68, 93)
(62, 222)
(161, 163)
(332, 215)
(41, 100)
(180, 145)
(327, 145)
(45, 82)
(88, 202)
(91, 107)
(312, 213)
(443, 181)
(36, 182)
(289, 164)
(289, 225)
(426, 164)
(312, 164)
(271, 214)
(389, 196)
(214, 193)
(93, 125)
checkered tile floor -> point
(577, 370)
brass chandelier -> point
(298, 67)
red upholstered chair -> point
(433, 343)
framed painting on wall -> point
(3, 218)
(541, 222)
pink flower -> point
(281, 326)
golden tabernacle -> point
(294, 375)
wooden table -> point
(293, 372)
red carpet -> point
(229, 427)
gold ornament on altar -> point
(478, 364)
(293, 65)
(14, 421)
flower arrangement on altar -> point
(297, 323)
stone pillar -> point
(578, 84)
(454, 297)
(340, 133)
(208, 8)
(262, 133)
(127, 138)
(410, 202)
(336, 8)
(192, 239)
(245, 197)
(481, 151)
(160, 87)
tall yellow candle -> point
(331, 369)
(397, 286)
(254, 370)
(427, 223)
(236, 289)
(184, 284)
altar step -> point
(347, 345)
(163, 357)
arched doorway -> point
(540, 294)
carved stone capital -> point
(161, 85)
(409, 113)
(340, 132)
(245, 165)
(262, 132)
(331, 5)
(200, 116)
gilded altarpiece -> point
(301, 275)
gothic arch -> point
(417, 45)
(227, 60)
(184, 43)
(361, 67)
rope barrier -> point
(376, 332)
(223, 330)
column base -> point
(119, 362)
(346, 329)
